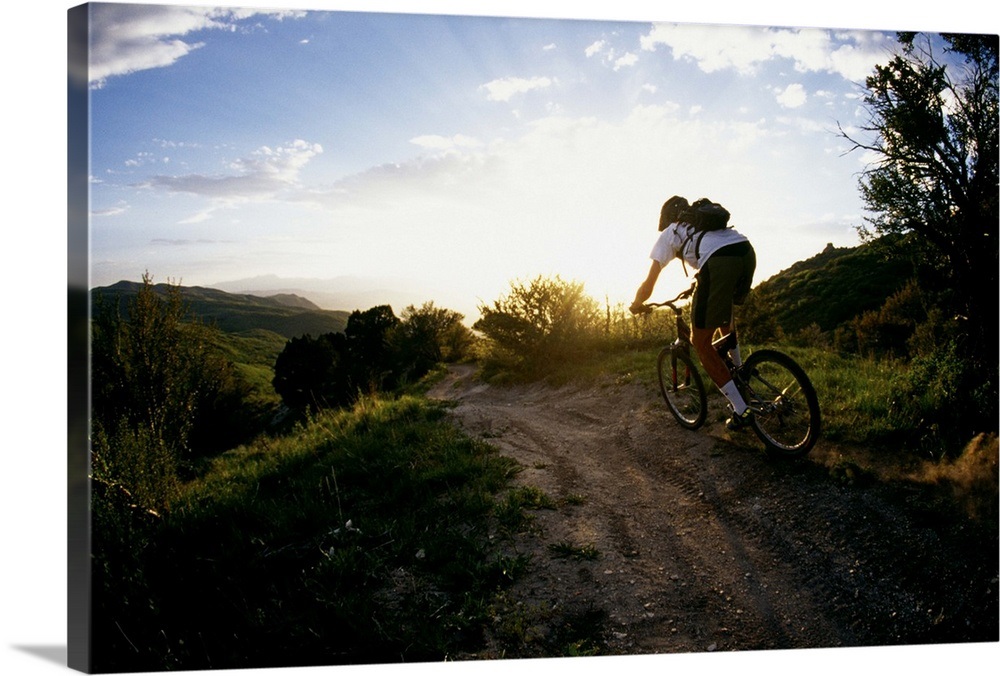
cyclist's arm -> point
(646, 288)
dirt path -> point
(701, 544)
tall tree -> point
(428, 335)
(369, 347)
(313, 372)
(933, 131)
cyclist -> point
(725, 261)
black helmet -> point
(671, 209)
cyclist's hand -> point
(639, 309)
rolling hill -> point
(286, 315)
(832, 287)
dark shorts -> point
(724, 281)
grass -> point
(855, 393)
(859, 396)
(512, 512)
(378, 534)
(567, 550)
(536, 630)
(366, 536)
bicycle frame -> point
(722, 344)
(683, 330)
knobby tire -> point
(682, 387)
(786, 408)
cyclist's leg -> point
(740, 293)
(712, 309)
(732, 344)
(716, 369)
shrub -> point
(427, 336)
(889, 329)
(158, 379)
(161, 396)
(810, 336)
(941, 401)
(539, 323)
(369, 349)
(757, 322)
(313, 372)
(624, 330)
(377, 352)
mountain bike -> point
(782, 400)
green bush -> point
(941, 401)
(377, 352)
(314, 372)
(428, 335)
(158, 378)
(539, 324)
(888, 330)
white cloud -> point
(201, 216)
(628, 59)
(116, 210)
(610, 55)
(856, 58)
(505, 88)
(792, 96)
(851, 54)
(130, 38)
(594, 48)
(140, 159)
(261, 176)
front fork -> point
(680, 347)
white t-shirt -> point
(670, 242)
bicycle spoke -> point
(786, 415)
(682, 388)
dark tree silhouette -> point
(313, 372)
(933, 121)
(426, 336)
(933, 131)
(368, 343)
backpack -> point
(702, 216)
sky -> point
(449, 156)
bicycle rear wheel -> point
(785, 408)
(682, 387)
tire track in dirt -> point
(703, 544)
(764, 604)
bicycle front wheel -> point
(785, 408)
(682, 387)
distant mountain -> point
(349, 293)
(287, 315)
(834, 286)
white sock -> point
(734, 354)
(734, 397)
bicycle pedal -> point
(738, 422)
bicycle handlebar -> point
(670, 303)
